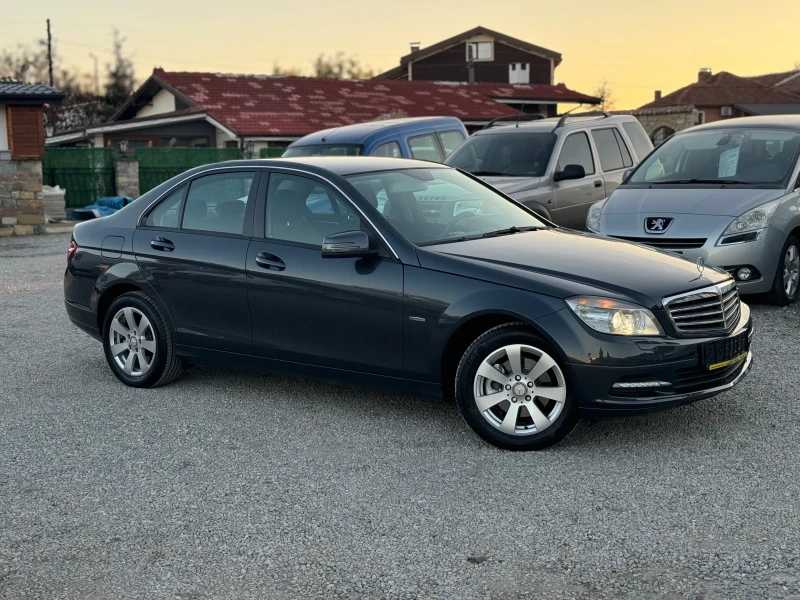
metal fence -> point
(83, 185)
(156, 165)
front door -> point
(574, 197)
(343, 313)
(192, 249)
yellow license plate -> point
(727, 363)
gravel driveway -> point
(239, 485)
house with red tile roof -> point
(788, 81)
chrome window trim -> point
(277, 169)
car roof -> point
(340, 165)
(549, 125)
(762, 122)
(358, 133)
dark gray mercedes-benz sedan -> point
(408, 275)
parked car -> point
(424, 138)
(727, 193)
(525, 323)
(556, 167)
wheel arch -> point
(107, 295)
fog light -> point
(743, 274)
(627, 385)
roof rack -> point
(601, 114)
(517, 118)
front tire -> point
(512, 391)
(786, 285)
(138, 342)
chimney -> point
(658, 95)
(415, 46)
(703, 75)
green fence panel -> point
(156, 165)
(85, 173)
(271, 152)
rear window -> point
(323, 150)
(641, 143)
(510, 154)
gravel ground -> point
(221, 486)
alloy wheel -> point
(132, 341)
(520, 389)
(791, 271)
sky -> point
(637, 46)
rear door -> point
(574, 197)
(614, 156)
(192, 249)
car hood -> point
(729, 202)
(512, 185)
(563, 263)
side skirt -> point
(220, 358)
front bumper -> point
(595, 362)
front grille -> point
(665, 243)
(712, 309)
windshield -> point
(431, 206)
(509, 154)
(323, 150)
(756, 157)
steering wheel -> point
(459, 217)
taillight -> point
(73, 248)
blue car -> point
(423, 138)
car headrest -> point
(230, 208)
(289, 206)
(195, 210)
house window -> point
(701, 117)
(25, 131)
(480, 50)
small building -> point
(510, 70)
(22, 138)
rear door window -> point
(425, 147)
(627, 161)
(217, 203)
(576, 151)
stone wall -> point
(674, 120)
(21, 205)
(126, 172)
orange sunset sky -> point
(637, 47)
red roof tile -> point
(254, 105)
(723, 89)
(777, 78)
(541, 92)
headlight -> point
(593, 216)
(752, 220)
(614, 316)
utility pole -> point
(49, 53)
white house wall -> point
(163, 102)
(3, 129)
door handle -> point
(270, 261)
(598, 183)
(163, 244)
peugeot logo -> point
(657, 224)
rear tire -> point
(786, 285)
(512, 390)
(138, 342)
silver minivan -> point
(726, 192)
(558, 167)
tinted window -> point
(576, 151)
(641, 143)
(323, 150)
(168, 212)
(302, 210)
(217, 202)
(424, 147)
(429, 206)
(450, 141)
(746, 156)
(607, 149)
(389, 150)
(512, 154)
(627, 161)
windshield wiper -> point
(510, 230)
(695, 180)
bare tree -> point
(339, 66)
(29, 63)
(604, 92)
(286, 71)
(121, 81)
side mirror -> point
(346, 244)
(570, 172)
